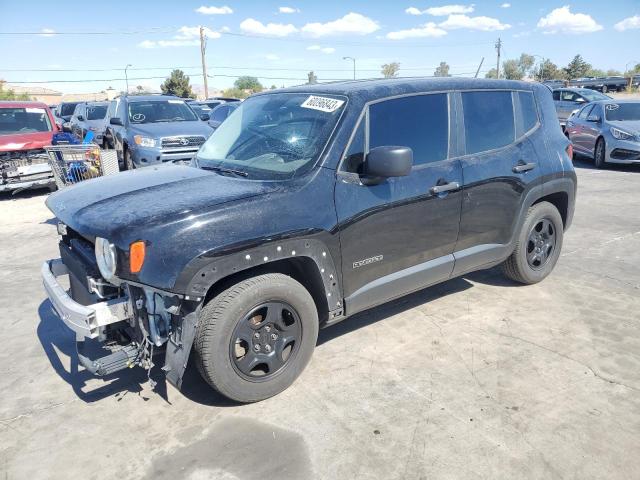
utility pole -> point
(479, 67)
(126, 77)
(354, 65)
(203, 47)
(498, 48)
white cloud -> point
(47, 32)
(214, 10)
(485, 24)
(318, 48)
(272, 56)
(185, 37)
(274, 29)
(628, 23)
(561, 20)
(288, 10)
(442, 11)
(351, 23)
(505, 5)
(427, 30)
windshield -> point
(96, 112)
(23, 120)
(272, 136)
(67, 108)
(620, 112)
(155, 111)
(592, 95)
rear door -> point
(591, 129)
(577, 133)
(501, 164)
(398, 236)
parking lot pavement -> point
(475, 378)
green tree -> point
(548, 70)
(312, 78)
(442, 70)
(177, 84)
(512, 70)
(235, 93)
(577, 68)
(493, 73)
(390, 70)
(596, 72)
(248, 83)
(10, 94)
(526, 63)
(612, 72)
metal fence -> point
(74, 163)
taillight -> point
(136, 256)
(570, 150)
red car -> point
(25, 128)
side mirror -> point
(385, 162)
(66, 127)
(80, 118)
(204, 117)
(593, 118)
(115, 121)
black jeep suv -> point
(306, 206)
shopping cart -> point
(74, 163)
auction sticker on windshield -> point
(323, 104)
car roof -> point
(368, 90)
(21, 103)
(618, 100)
(146, 98)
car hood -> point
(170, 129)
(126, 204)
(631, 126)
(24, 141)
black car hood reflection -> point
(147, 197)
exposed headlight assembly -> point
(144, 141)
(621, 134)
(106, 258)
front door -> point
(398, 236)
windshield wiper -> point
(223, 170)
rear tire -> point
(239, 339)
(538, 245)
(599, 154)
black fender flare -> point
(204, 271)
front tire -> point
(538, 245)
(256, 337)
(600, 153)
(128, 161)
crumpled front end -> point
(25, 169)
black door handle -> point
(447, 187)
(523, 167)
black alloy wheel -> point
(599, 154)
(541, 243)
(265, 340)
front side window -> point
(157, 111)
(488, 120)
(354, 158)
(420, 122)
(220, 113)
(593, 96)
(23, 120)
(556, 95)
(272, 136)
(584, 113)
(96, 112)
(67, 108)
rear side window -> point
(556, 95)
(528, 112)
(419, 122)
(488, 120)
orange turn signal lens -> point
(136, 256)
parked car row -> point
(602, 84)
(567, 100)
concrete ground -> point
(475, 378)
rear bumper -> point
(85, 320)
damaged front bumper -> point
(134, 314)
(24, 174)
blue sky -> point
(281, 40)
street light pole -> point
(626, 70)
(126, 77)
(354, 65)
(541, 65)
